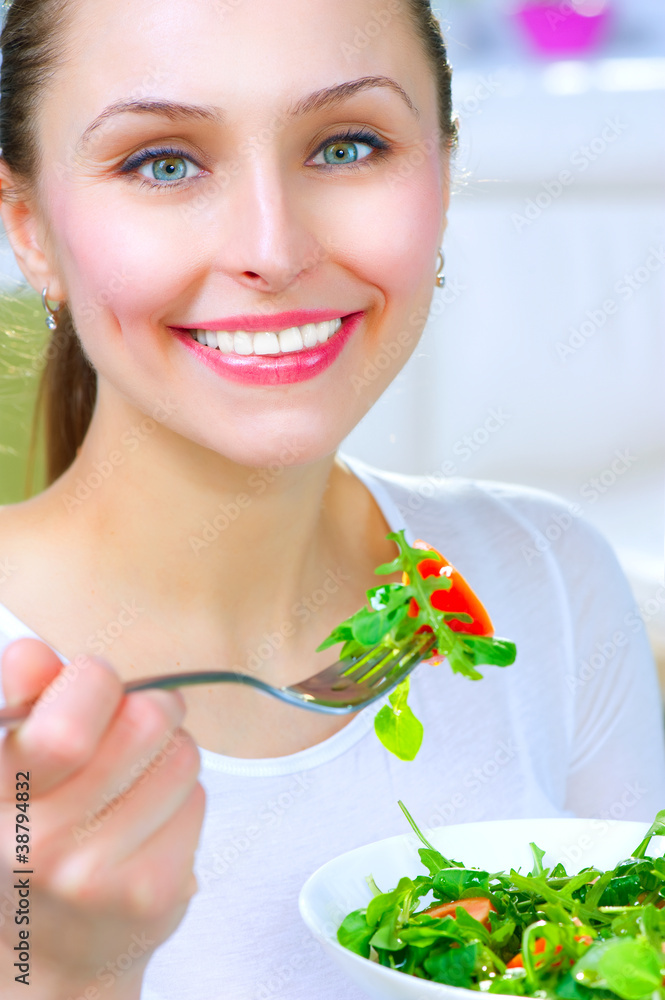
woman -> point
(276, 174)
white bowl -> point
(340, 885)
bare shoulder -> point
(28, 545)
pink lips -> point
(272, 369)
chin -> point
(284, 444)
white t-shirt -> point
(574, 727)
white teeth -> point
(243, 343)
(266, 343)
(225, 342)
(310, 334)
(290, 340)
(280, 342)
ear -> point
(25, 233)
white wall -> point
(535, 266)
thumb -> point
(28, 666)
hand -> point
(115, 814)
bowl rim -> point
(409, 838)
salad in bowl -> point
(552, 908)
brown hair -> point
(32, 45)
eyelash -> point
(380, 146)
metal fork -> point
(345, 686)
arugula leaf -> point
(355, 934)
(395, 613)
(430, 857)
(424, 931)
(630, 967)
(656, 829)
(396, 725)
(454, 967)
(390, 604)
(570, 944)
(450, 883)
(538, 856)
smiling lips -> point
(278, 350)
(243, 342)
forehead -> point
(243, 54)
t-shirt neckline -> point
(353, 732)
(310, 757)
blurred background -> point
(544, 355)
(543, 361)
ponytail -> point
(66, 397)
(33, 43)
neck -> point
(236, 548)
(162, 556)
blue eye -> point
(343, 152)
(167, 168)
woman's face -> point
(203, 169)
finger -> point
(28, 666)
(151, 894)
(147, 883)
(65, 725)
(143, 732)
(126, 822)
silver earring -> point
(51, 314)
(441, 263)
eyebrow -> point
(321, 99)
(174, 111)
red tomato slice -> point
(459, 597)
(539, 948)
(478, 907)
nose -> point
(265, 238)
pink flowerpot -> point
(557, 28)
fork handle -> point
(12, 716)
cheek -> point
(388, 231)
(121, 267)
